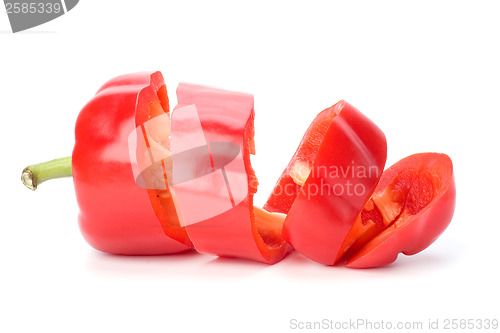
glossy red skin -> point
(116, 215)
(227, 116)
(418, 231)
(316, 225)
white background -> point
(427, 72)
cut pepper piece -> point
(415, 200)
(214, 182)
(328, 181)
(116, 215)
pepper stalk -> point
(36, 174)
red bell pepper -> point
(411, 206)
(217, 203)
(328, 181)
(116, 215)
(143, 189)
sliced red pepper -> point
(216, 192)
(411, 206)
(116, 215)
(328, 181)
(131, 187)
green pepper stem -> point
(36, 174)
